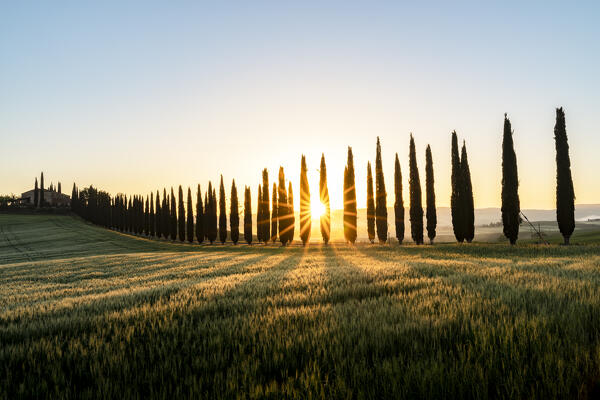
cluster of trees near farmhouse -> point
(174, 216)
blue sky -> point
(134, 97)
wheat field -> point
(87, 312)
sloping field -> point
(86, 312)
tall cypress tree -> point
(181, 215)
(265, 221)
(305, 217)
(42, 202)
(370, 205)
(456, 198)
(173, 216)
(59, 190)
(565, 194)
(350, 214)
(199, 216)
(324, 197)
(274, 216)
(158, 216)
(166, 215)
(190, 217)
(234, 216)
(416, 206)
(213, 215)
(74, 196)
(247, 216)
(36, 193)
(380, 197)
(147, 217)
(398, 201)
(292, 217)
(259, 216)
(429, 185)
(222, 214)
(467, 197)
(151, 222)
(511, 207)
(282, 208)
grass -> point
(87, 312)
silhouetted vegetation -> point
(429, 185)
(565, 194)
(325, 219)
(350, 212)
(468, 207)
(416, 206)
(305, 215)
(380, 198)
(510, 186)
(248, 215)
(398, 201)
(234, 216)
(370, 205)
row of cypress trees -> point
(276, 220)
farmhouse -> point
(52, 198)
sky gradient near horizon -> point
(136, 96)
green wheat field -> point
(88, 312)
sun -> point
(317, 209)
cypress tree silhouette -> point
(181, 215)
(399, 202)
(291, 216)
(274, 216)
(265, 220)
(129, 215)
(158, 216)
(456, 200)
(234, 216)
(248, 215)
(416, 207)
(200, 227)
(259, 216)
(510, 186)
(565, 194)
(370, 205)
(467, 197)
(282, 209)
(325, 219)
(151, 222)
(222, 213)
(350, 214)
(305, 217)
(212, 233)
(147, 217)
(429, 185)
(190, 217)
(380, 198)
(173, 217)
(59, 190)
(36, 193)
(42, 202)
(166, 215)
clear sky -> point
(134, 96)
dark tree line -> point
(461, 200)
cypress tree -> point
(234, 216)
(147, 217)
(59, 188)
(292, 217)
(324, 197)
(380, 198)
(467, 197)
(429, 185)
(511, 207)
(350, 214)
(274, 216)
(456, 197)
(73, 197)
(265, 221)
(222, 214)
(565, 194)
(152, 216)
(166, 215)
(398, 201)
(416, 207)
(181, 215)
(248, 215)
(212, 214)
(305, 217)
(259, 216)
(173, 219)
(36, 193)
(42, 202)
(199, 216)
(370, 205)
(282, 209)
(190, 217)
(158, 216)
